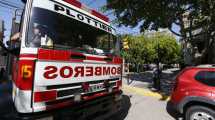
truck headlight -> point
(77, 98)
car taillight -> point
(45, 96)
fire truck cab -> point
(67, 62)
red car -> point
(194, 93)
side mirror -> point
(24, 1)
(5, 51)
(14, 44)
(15, 48)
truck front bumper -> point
(98, 108)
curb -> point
(145, 92)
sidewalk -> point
(144, 92)
(144, 80)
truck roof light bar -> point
(99, 15)
(85, 8)
(74, 2)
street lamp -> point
(157, 70)
(158, 65)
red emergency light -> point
(99, 15)
(74, 2)
(93, 12)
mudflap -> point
(97, 109)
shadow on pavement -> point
(126, 104)
(172, 112)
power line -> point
(12, 3)
(91, 2)
(7, 7)
(7, 4)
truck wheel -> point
(199, 113)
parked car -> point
(194, 93)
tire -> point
(199, 113)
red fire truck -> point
(66, 62)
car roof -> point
(206, 66)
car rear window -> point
(206, 77)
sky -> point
(6, 14)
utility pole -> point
(158, 65)
(157, 71)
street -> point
(141, 103)
(107, 60)
(146, 108)
(140, 107)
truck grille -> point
(68, 91)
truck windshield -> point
(51, 30)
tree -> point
(146, 49)
(154, 14)
(139, 51)
(136, 49)
(167, 50)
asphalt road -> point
(141, 103)
(145, 108)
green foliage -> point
(148, 49)
(168, 50)
(154, 14)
